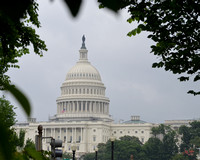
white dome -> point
(83, 93)
(83, 70)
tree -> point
(89, 156)
(7, 135)
(174, 27)
(153, 149)
(162, 145)
(29, 144)
(123, 149)
(17, 19)
(131, 139)
(190, 138)
(21, 137)
(179, 157)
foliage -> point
(29, 144)
(17, 20)
(7, 135)
(90, 156)
(67, 156)
(174, 27)
(190, 136)
(153, 149)
(123, 148)
(16, 34)
(179, 157)
(20, 141)
(131, 139)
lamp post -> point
(74, 150)
(96, 152)
(112, 139)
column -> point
(81, 134)
(86, 106)
(60, 134)
(81, 106)
(66, 135)
(51, 132)
(95, 107)
(73, 106)
(45, 134)
(90, 106)
(102, 107)
(75, 134)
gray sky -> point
(133, 87)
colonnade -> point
(67, 135)
(99, 91)
(83, 107)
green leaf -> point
(20, 97)
(74, 6)
(193, 92)
(130, 20)
(114, 5)
(4, 145)
(197, 77)
(183, 78)
(33, 154)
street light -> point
(74, 150)
(112, 139)
(96, 151)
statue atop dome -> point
(83, 42)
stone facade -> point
(83, 113)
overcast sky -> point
(124, 63)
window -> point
(83, 106)
(94, 130)
(64, 138)
(114, 132)
(142, 139)
(142, 131)
(94, 138)
(135, 131)
(121, 132)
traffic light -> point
(55, 153)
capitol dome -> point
(83, 93)
(83, 71)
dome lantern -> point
(83, 51)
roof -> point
(134, 122)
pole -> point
(112, 150)
(96, 155)
(74, 154)
(39, 138)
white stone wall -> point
(86, 135)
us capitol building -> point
(83, 113)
